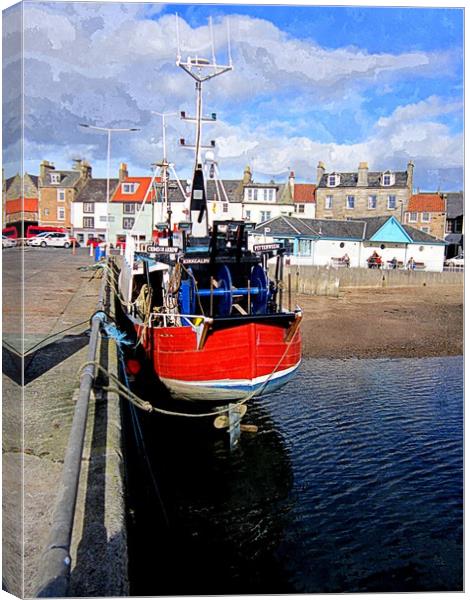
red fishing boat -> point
(208, 317)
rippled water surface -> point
(353, 483)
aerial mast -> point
(201, 69)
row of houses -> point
(75, 200)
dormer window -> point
(129, 188)
(388, 178)
(55, 178)
(333, 180)
(260, 194)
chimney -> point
(292, 184)
(320, 171)
(409, 174)
(247, 175)
(362, 172)
(85, 170)
(44, 168)
(123, 173)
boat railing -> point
(165, 316)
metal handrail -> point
(55, 566)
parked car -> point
(54, 239)
(39, 235)
(8, 242)
(457, 261)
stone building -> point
(363, 193)
(57, 190)
(427, 212)
(20, 195)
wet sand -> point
(384, 322)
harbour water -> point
(353, 483)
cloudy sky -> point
(337, 84)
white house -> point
(325, 241)
(89, 209)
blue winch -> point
(223, 295)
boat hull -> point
(233, 363)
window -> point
(249, 194)
(300, 208)
(425, 229)
(392, 202)
(129, 208)
(88, 222)
(388, 178)
(80, 238)
(328, 202)
(129, 188)
(46, 212)
(305, 247)
(61, 213)
(248, 215)
(88, 207)
(272, 195)
(412, 217)
(449, 227)
(61, 195)
(55, 178)
(333, 180)
(350, 200)
(225, 207)
(425, 217)
(128, 223)
(265, 215)
(372, 202)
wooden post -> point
(289, 291)
(73, 246)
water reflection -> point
(353, 484)
(224, 510)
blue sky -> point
(337, 84)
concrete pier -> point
(58, 296)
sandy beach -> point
(384, 322)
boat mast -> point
(201, 70)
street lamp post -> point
(108, 130)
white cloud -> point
(113, 64)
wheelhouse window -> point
(350, 202)
(88, 222)
(392, 202)
(328, 202)
(88, 207)
(129, 208)
(128, 223)
(372, 202)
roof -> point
(358, 229)
(432, 202)
(67, 178)
(312, 227)
(373, 180)
(94, 190)
(139, 194)
(454, 204)
(304, 192)
(34, 179)
(16, 206)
